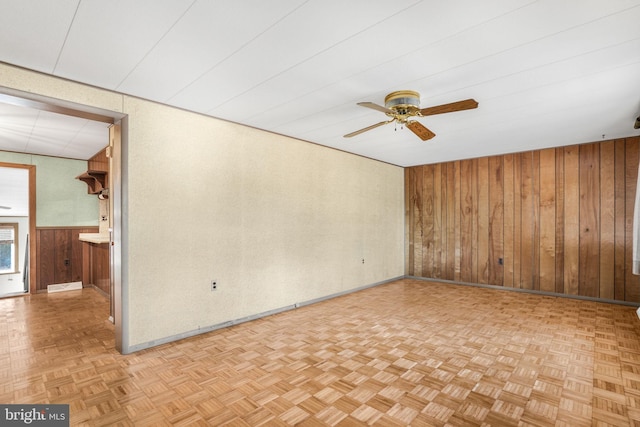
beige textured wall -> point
(274, 220)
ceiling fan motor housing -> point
(403, 102)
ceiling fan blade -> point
(422, 132)
(5, 207)
(358, 132)
(375, 106)
(467, 104)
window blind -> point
(6, 235)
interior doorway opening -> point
(40, 105)
(17, 223)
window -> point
(8, 248)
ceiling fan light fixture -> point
(405, 102)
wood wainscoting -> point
(554, 220)
(62, 257)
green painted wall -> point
(61, 200)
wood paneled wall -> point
(99, 162)
(60, 255)
(554, 220)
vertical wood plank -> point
(427, 218)
(535, 204)
(474, 220)
(528, 219)
(508, 244)
(451, 222)
(620, 210)
(559, 220)
(62, 268)
(466, 218)
(444, 232)
(571, 219)
(409, 188)
(496, 221)
(457, 199)
(607, 220)
(417, 206)
(76, 267)
(437, 221)
(547, 271)
(483, 220)
(589, 277)
(46, 258)
(517, 221)
(632, 157)
(87, 278)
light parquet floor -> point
(405, 353)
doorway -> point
(31, 104)
(17, 226)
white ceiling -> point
(26, 129)
(545, 73)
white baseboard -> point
(60, 287)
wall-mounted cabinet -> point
(97, 175)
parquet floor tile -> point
(405, 353)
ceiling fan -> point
(402, 105)
(5, 207)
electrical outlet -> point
(214, 285)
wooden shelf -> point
(96, 180)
